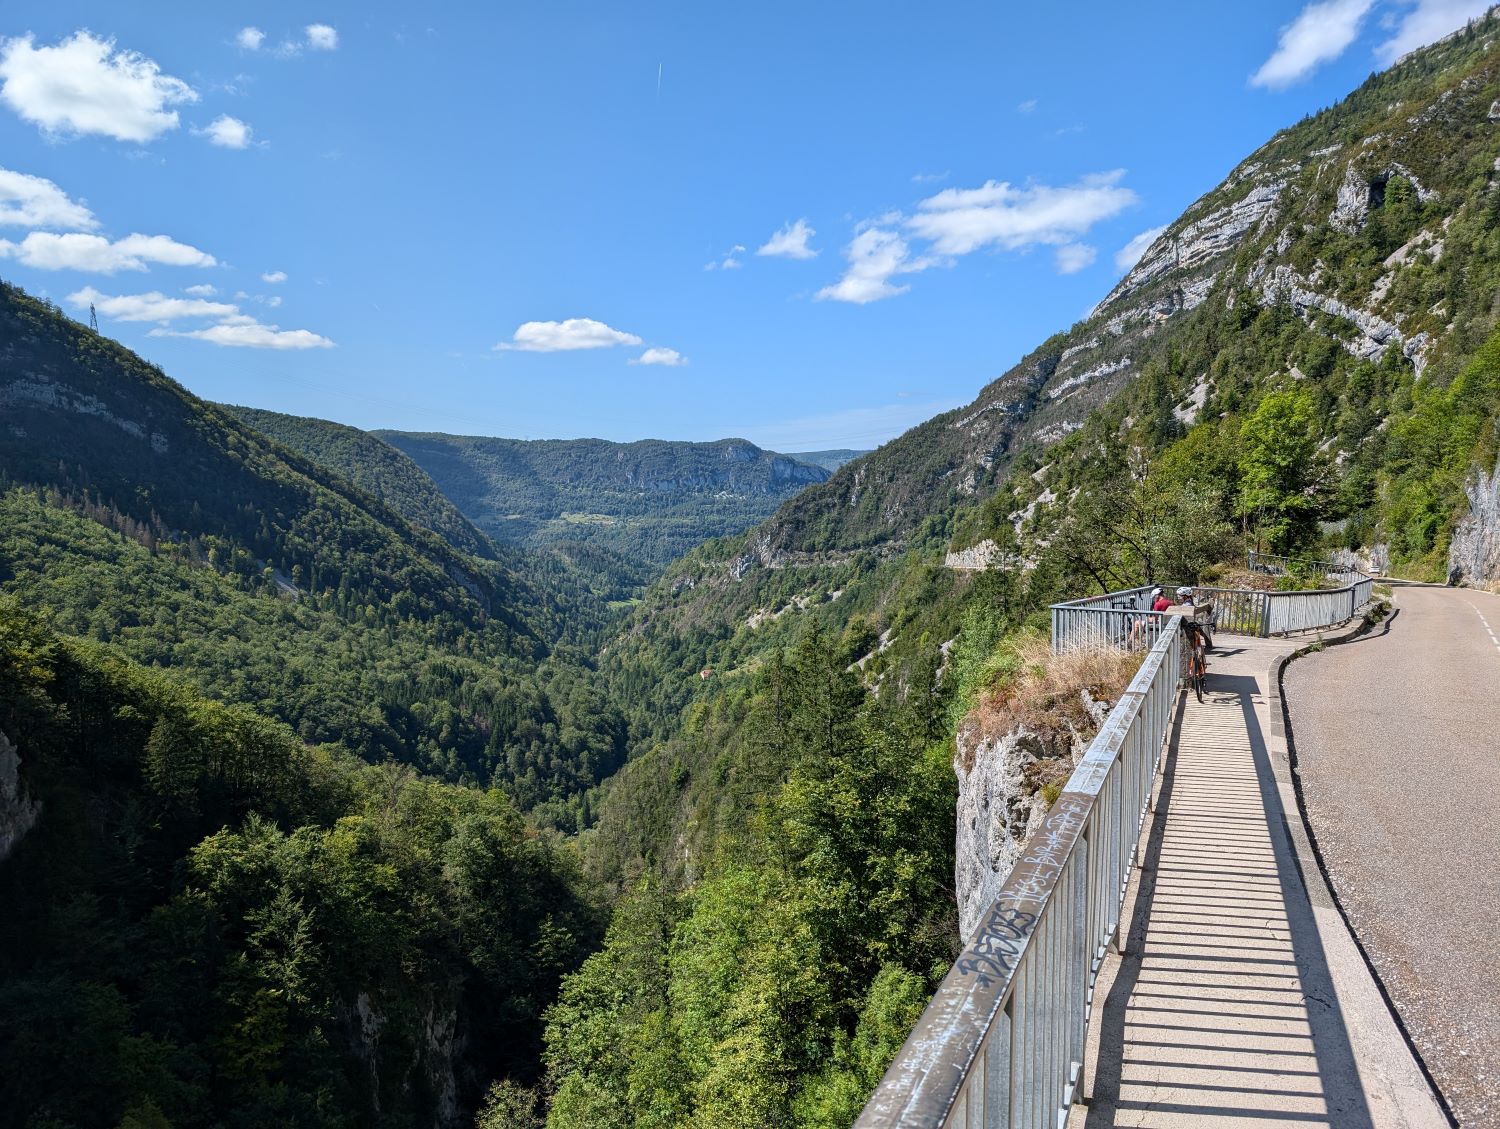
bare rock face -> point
(998, 807)
(18, 811)
(977, 558)
(1474, 555)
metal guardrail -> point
(1002, 1042)
(1122, 619)
(1116, 619)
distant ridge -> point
(652, 500)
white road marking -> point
(1486, 623)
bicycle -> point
(1197, 659)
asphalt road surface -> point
(1398, 743)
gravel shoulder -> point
(1398, 746)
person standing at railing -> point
(1159, 601)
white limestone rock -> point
(1474, 555)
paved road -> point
(1398, 741)
(1234, 1003)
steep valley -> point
(358, 778)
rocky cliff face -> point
(1474, 556)
(18, 811)
(1002, 799)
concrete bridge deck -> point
(1240, 998)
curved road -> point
(1398, 744)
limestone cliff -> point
(1474, 555)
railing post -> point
(1265, 615)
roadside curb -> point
(1308, 857)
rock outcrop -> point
(18, 811)
(999, 805)
(1474, 555)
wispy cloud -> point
(660, 356)
(97, 255)
(998, 214)
(1027, 106)
(1428, 21)
(790, 242)
(960, 221)
(929, 177)
(31, 201)
(1320, 33)
(227, 133)
(729, 261)
(274, 276)
(203, 290)
(244, 332)
(566, 336)
(321, 37)
(232, 328)
(154, 306)
(84, 85)
(1130, 254)
(1074, 257)
(851, 427)
(250, 38)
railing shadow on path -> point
(1174, 1056)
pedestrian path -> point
(1224, 1009)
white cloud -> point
(1074, 257)
(30, 201)
(728, 262)
(202, 291)
(233, 328)
(790, 242)
(961, 220)
(875, 255)
(83, 85)
(1130, 254)
(250, 38)
(929, 177)
(1027, 106)
(96, 254)
(227, 133)
(321, 37)
(1320, 33)
(1427, 22)
(564, 336)
(274, 276)
(154, 306)
(241, 331)
(660, 356)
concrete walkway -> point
(1239, 1000)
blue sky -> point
(808, 225)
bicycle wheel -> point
(1198, 685)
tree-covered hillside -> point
(376, 468)
(649, 501)
(137, 515)
(210, 924)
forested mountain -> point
(649, 501)
(135, 514)
(376, 468)
(1307, 359)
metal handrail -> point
(1002, 1042)
(1123, 619)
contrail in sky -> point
(658, 80)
